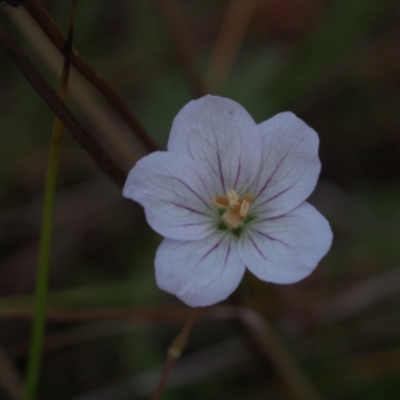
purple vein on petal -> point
(212, 168)
(206, 160)
(189, 150)
(211, 250)
(258, 250)
(205, 186)
(272, 175)
(220, 171)
(271, 238)
(178, 205)
(227, 254)
(238, 169)
(213, 146)
(272, 218)
(186, 208)
(192, 191)
(276, 195)
(192, 224)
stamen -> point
(233, 198)
(244, 209)
(236, 207)
(249, 197)
(231, 219)
(220, 202)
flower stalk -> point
(39, 322)
(175, 351)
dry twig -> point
(51, 98)
(173, 17)
(9, 377)
(228, 43)
(42, 17)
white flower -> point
(230, 195)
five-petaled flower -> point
(230, 195)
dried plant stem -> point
(44, 20)
(175, 351)
(54, 102)
(275, 350)
(174, 20)
(263, 335)
(109, 131)
(39, 321)
(228, 43)
(75, 315)
(360, 296)
(9, 377)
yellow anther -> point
(248, 197)
(220, 202)
(231, 219)
(236, 207)
(233, 198)
(244, 209)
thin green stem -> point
(35, 353)
(39, 322)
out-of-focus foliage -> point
(336, 64)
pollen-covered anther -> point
(220, 202)
(236, 207)
(244, 209)
(233, 198)
(231, 219)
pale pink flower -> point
(229, 195)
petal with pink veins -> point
(286, 249)
(289, 165)
(201, 272)
(174, 191)
(221, 135)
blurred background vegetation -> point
(336, 64)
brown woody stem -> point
(44, 20)
(175, 351)
(54, 102)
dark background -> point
(336, 64)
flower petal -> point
(286, 249)
(174, 190)
(202, 272)
(222, 136)
(289, 164)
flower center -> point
(236, 207)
